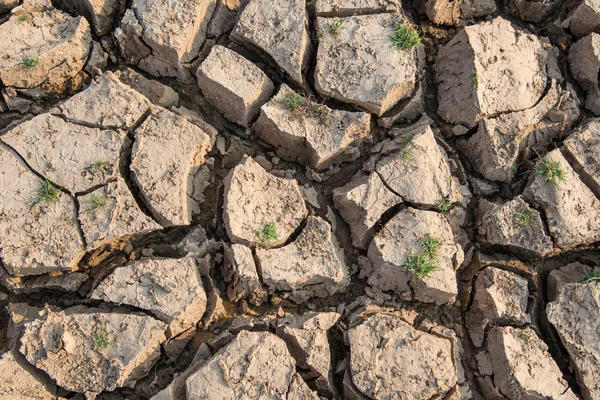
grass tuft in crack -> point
(525, 334)
(424, 263)
(593, 277)
(47, 193)
(267, 232)
(405, 37)
(96, 203)
(306, 107)
(336, 26)
(550, 170)
(444, 205)
(524, 217)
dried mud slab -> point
(19, 380)
(583, 146)
(584, 19)
(166, 148)
(419, 171)
(572, 211)
(163, 37)
(100, 13)
(37, 236)
(575, 316)
(44, 52)
(107, 104)
(449, 12)
(313, 265)
(476, 80)
(110, 213)
(88, 351)
(169, 288)
(500, 297)
(359, 64)
(399, 240)
(241, 274)
(254, 365)
(233, 85)
(255, 199)
(362, 202)
(514, 224)
(522, 366)
(379, 350)
(75, 157)
(306, 338)
(156, 92)
(584, 61)
(570, 273)
(279, 29)
(347, 8)
(312, 134)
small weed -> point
(101, 166)
(320, 33)
(423, 264)
(267, 232)
(430, 246)
(47, 192)
(593, 277)
(336, 26)
(101, 340)
(524, 217)
(23, 18)
(406, 153)
(550, 170)
(474, 77)
(444, 205)
(525, 334)
(96, 203)
(30, 62)
(305, 106)
(405, 37)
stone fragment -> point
(570, 273)
(38, 234)
(169, 288)
(164, 37)
(106, 103)
(256, 200)
(575, 315)
(279, 29)
(583, 146)
(233, 85)
(43, 52)
(362, 202)
(254, 365)
(584, 61)
(306, 338)
(311, 266)
(448, 12)
(347, 8)
(110, 213)
(240, 272)
(154, 91)
(500, 297)
(7, 5)
(477, 80)
(100, 13)
(584, 19)
(18, 380)
(522, 366)
(495, 149)
(311, 134)
(67, 282)
(419, 171)
(73, 156)
(532, 10)
(572, 211)
(513, 224)
(360, 65)
(379, 350)
(166, 149)
(402, 238)
(88, 350)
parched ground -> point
(326, 199)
